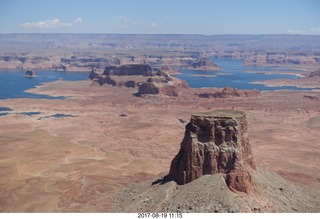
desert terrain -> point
(115, 139)
(104, 148)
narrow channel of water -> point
(234, 74)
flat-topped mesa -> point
(148, 80)
(215, 142)
(132, 69)
(126, 75)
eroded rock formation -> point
(148, 80)
(126, 75)
(29, 74)
(215, 142)
(160, 85)
(202, 63)
(228, 92)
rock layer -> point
(215, 142)
(229, 92)
(148, 80)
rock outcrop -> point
(96, 77)
(158, 85)
(147, 79)
(29, 74)
(229, 92)
(215, 142)
(202, 63)
(134, 69)
(314, 74)
(280, 58)
(126, 75)
(311, 97)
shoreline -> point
(283, 84)
(300, 75)
(41, 69)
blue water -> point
(23, 113)
(5, 109)
(233, 74)
(58, 115)
(13, 84)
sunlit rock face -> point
(215, 142)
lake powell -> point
(13, 84)
(234, 74)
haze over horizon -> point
(161, 17)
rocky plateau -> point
(147, 79)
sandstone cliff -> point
(215, 142)
(148, 80)
(131, 75)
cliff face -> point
(134, 69)
(215, 142)
(131, 75)
(275, 58)
(147, 79)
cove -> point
(234, 74)
(13, 84)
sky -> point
(206, 17)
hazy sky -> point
(161, 16)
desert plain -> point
(114, 139)
(108, 139)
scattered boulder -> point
(228, 92)
(215, 142)
(30, 74)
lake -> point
(234, 74)
(13, 84)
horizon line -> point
(198, 34)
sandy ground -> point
(75, 164)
